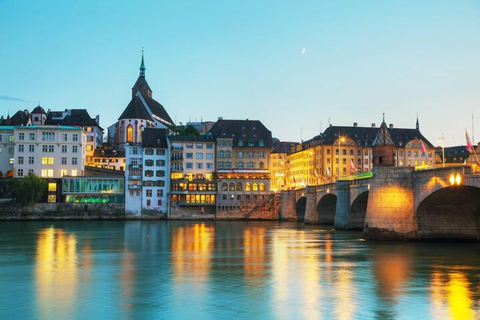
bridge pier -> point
(343, 219)
(311, 214)
(391, 209)
(288, 210)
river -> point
(228, 270)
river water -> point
(228, 270)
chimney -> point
(373, 125)
(355, 124)
(220, 118)
(390, 126)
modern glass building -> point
(94, 189)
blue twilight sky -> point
(242, 59)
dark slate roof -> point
(39, 110)
(19, 119)
(365, 136)
(76, 118)
(243, 130)
(135, 110)
(283, 146)
(454, 154)
(156, 108)
(154, 138)
(141, 85)
(203, 138)
(108, 152)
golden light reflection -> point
(345, 292)
(451, 296)
(392, 269)
(56, 272)
(254, 255)
(127, 277)
(192, 248)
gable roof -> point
(242, 130)
(154, 138)
(156, 108)
(74, 117)
(141, 85)
(383, 137)
(21, 118)
(283, 146)
(135, 110)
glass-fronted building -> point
(94, 189)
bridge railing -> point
(326, 186)
(359, 182)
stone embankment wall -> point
(269, 209)
(63, 211)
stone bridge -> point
(397, 203)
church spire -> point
(418, 125)
(142, 67)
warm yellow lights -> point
(455, 179)
(328, 190)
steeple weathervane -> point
(142, 67)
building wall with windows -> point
(7, 149)
(155, 179)
(92, 189)
(193, 189)
(49, 151)
(133, 178)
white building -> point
(49, 151)
(147, 173)
(7, 149)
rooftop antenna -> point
(473, 128)
(301, 134)
(329, 121)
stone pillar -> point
(390, 209)
(288, 211)
(311, 215)
(342, 214)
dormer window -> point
(251, 144)
(240, 143)
(261, 143)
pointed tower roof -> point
(141, 83)
(417, 125)
(383, 136)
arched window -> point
(261, 165)
(262, 186)
(232, 186)
(129, 133)
(139, 136)
(247, 186)
(224, 186)
(220, 154)
(255, 186)
(239, 186)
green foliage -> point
(30, 189)
(184, 130)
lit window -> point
(74, 173)
(52, 186)
(50, 173)
(44, 173)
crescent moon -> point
(303, 50)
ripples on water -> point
(228, 270)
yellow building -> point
(278, 165)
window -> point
(149, 162)
(240, 164)
(247, 186)
(160, 173)
(89, 147)
(160, 163)
(209, 166)
(199, 165)
(232, 186)
(261, 154)
(149, 202)
(48, 136)
(74, 149)
(52, 186)
(240, 143)
(32, 136)
(209, 156)
(74, 161)
(262, 186)
(228, 164)
(159, 202)
(129, 133)
(50, 173)
(251, 154)
(240, 154)
(344, 152)
(20, 148)
(160, 152)
(261, 143)
(160, 193)
(20, 160)
(228, 154)
(255, 186)
(64, 149)
(199, 156)
(149, 192)
(239, 186)
(148, 152)
(251, 144)
(189, 155)
(64, 137)
(189, 145)
(20, 172)
(148, 173)
(11, 161)
(74, 172)
(261, 165)
(43, 173)
(21, 136)
(44, 148)
(31, 148)
(328, 151)
(63, 173)
(189, 165)
(220, 164)
(64, 160)
(209, 145)
(31, 160)
(199, 145)
(251, 165)
(10, 138)
(44, 160)
(220, 154)
(224, 186)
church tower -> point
(141, 83)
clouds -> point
(8, 98)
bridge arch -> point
(450, 213)
(300, 208)
(326, 208)
(358, 210)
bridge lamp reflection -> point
(328, 190)
(455, 179)
(368, 186)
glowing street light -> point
(455, 179)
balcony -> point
(134, 177)
(134, 187)
(135, 166)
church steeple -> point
(418, 125)
(142, 67)
(141, 84)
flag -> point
(316, 173)
(424, 151)
(469, 142)
(328, 171)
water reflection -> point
(254, 255)
(56, 272)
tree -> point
(30, 189)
